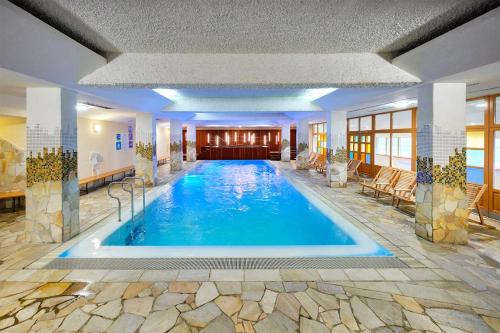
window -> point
(475, 111)
(475, 156)
(383, 121)
(401, 150)
(354, 124)
(497, 110)
(319, 138)
(382, 149)
(401, 119)
(366, 123)
(384, 139)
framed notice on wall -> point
(130, 137)
(118, 142)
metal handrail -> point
(118, 199)
(143, 191)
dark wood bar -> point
(235, 153)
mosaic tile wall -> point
(285, 150)
(176, 155)
(337, 167)
(12, 168)
(52, 192)
(302, 156)
(145, 156)
(191, 151)
(441, 212)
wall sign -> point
(118, 142)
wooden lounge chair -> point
(474, 194)
(405, 195)
(403, 187)
(352, 169)
(320, 164)
(312, 160)
(383, 179)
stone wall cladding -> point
(441, 211)
(52, 191)
(302, 156)
(337, 167)
(12, 167)
(191, 151)
(176, 155)
(285, 150)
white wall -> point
(162, 141)
(13, 129)
(103, 143)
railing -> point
(143, 190)
(131, 191)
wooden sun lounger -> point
(474, 194)
(352, 169)
(312, 160)
(383, 179)
(320, 164)
(403, 182)
(404, 187)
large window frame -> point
(369, 166)
(318, 137)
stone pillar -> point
(285, 143)
(301, 162)
(52, 191)
(336, 142)
(191, 143)
(175, 145)
(146, 163)
(441, 212)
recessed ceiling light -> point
(314, 94)
(171, 94)
(404, 103)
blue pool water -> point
(232, 203)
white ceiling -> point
(215, 26)
(255, 26)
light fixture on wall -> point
(208, 138)
(96, 128)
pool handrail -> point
(123, 184)
(143, 190)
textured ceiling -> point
(254, 26)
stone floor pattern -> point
(448, 289)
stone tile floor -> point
(445, 288)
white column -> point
(302, 145)
(441, 212)
(146, 163)
(285, 143)
(336, 140)
(175, 145)
(191, 143)
(52, 191)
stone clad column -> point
(302, 145)
(336, 141)
(285, 143)
(52, 191)
(191, 143)
(441, 212)
(175, 145)
(146, 164)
